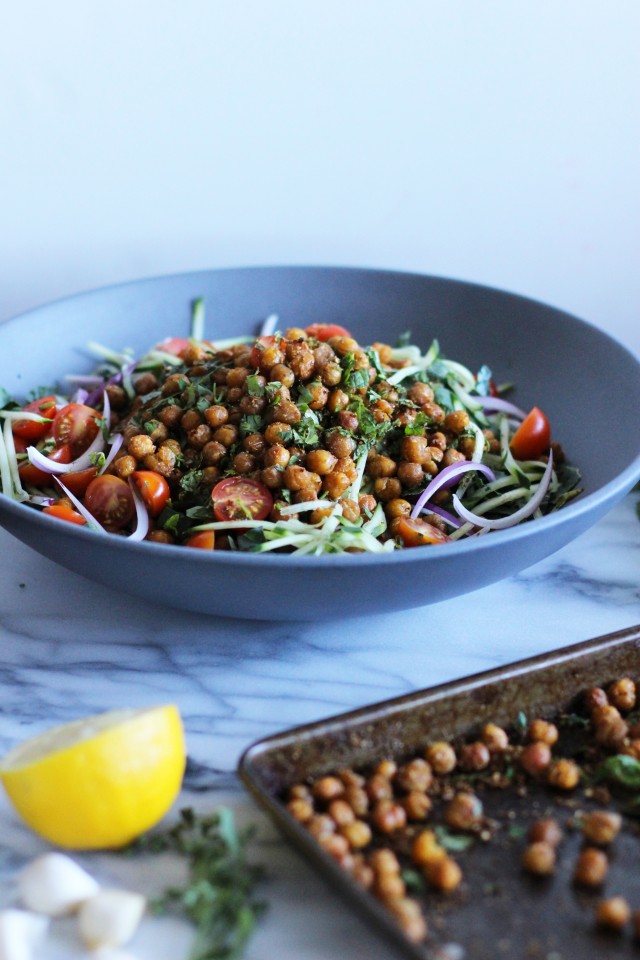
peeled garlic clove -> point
(108, 953)
(54, 884)
(20, 930)
(110, 918)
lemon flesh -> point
(99, 782)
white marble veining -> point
(69, 648)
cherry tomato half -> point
(110, 500)
(173, 345)
(154, 490)
(32, 429)
(62, 512)
(34, 476)
(533, 436)
(324, 331)
(77, 425)
(417, 533)
(241, 498)
(177, 346)
(203, 539)
(78, 482)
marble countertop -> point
(69, 648)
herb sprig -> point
(218, 896)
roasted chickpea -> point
(387, 488)
(328, 788)
(495, 738)
(613, 914)
(226, 435)
(442, 757)
(622, 694)
(320, 461)
(539, 858)
(410, 475)
(357, 832)
(141, 446)
(379, 466)
(474, 756)
(339, 444)
(301, 809)
(543, 732)
(601, 826)
(563, 774)
(378, 787)
(546, 830)
(408, 914)
(535, 758)
(464, 812)
(417, 805)
(415, 449)
(415, 775)
(591, 867)
(281, 373)
(444, 874)
(335, 484)
(425, 849)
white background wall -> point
(491, 140)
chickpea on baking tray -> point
(400, 826)
(299, 441)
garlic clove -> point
(110, 918)
(20, 931)
(109, 953)
(54, 884)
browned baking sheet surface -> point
(498, 912)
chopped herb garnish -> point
(219, 895)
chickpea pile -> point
(401, 826)
(294, 414)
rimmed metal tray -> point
(499, 912)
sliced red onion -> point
(503, 522)
(38, 459)
(126, 371)
(449, 517)
(142, 514)
(490, 404)
(80, 396)
(80, 507)
(446, 478)
(38, 501)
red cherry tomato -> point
(324, 331)
(173, 345)
(78, 482)
(32, 429)
(203, 540)
(178, 345)
(34, 476)
(533, 436)
(154, 490)
(417, 533)
(110, 500)
(62, 512)
(77, 425)
(241, 498)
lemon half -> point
(99, 782)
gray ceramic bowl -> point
(587, 383)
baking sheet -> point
(498, 912)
